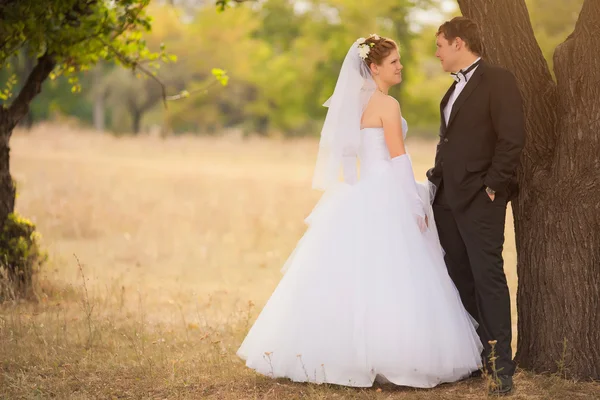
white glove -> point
(402, 168)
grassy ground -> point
(162, 254)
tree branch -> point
(184, 94)
(576, 66)
(575, 61)
(136, 65)
(32, 87)
(221, 4)
(127, 26)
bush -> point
(20, 258)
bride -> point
(366, 295)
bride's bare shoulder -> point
(386, 104)
(384, 100)
(381, 107)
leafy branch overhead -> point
(220, 76)
(223, 4)
(69, 36)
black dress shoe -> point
(476, 374)
(503, 385)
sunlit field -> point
(162, 253)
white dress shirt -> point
(457, 89)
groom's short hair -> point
(465, 29)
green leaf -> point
(220, 75)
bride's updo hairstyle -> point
(380, 48)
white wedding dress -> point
(365, 294)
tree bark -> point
(24, 64)
(9, 118)
(557, 214)
(7, 188)
(32, 87)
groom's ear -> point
(458, 43)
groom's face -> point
(447, 52)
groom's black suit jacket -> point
(482, 143)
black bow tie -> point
(457, 75)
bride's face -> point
(390, 70)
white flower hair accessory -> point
(363, 48)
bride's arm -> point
(401, 164)
(391, 117)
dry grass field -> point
(162, 252)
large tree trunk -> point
(20, 271)
(557, 214)
(7, 188)
(9, 118)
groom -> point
(482, 135)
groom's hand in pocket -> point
(490, 193)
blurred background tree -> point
(281, 56)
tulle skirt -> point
(364, 296)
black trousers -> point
(473, 240)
